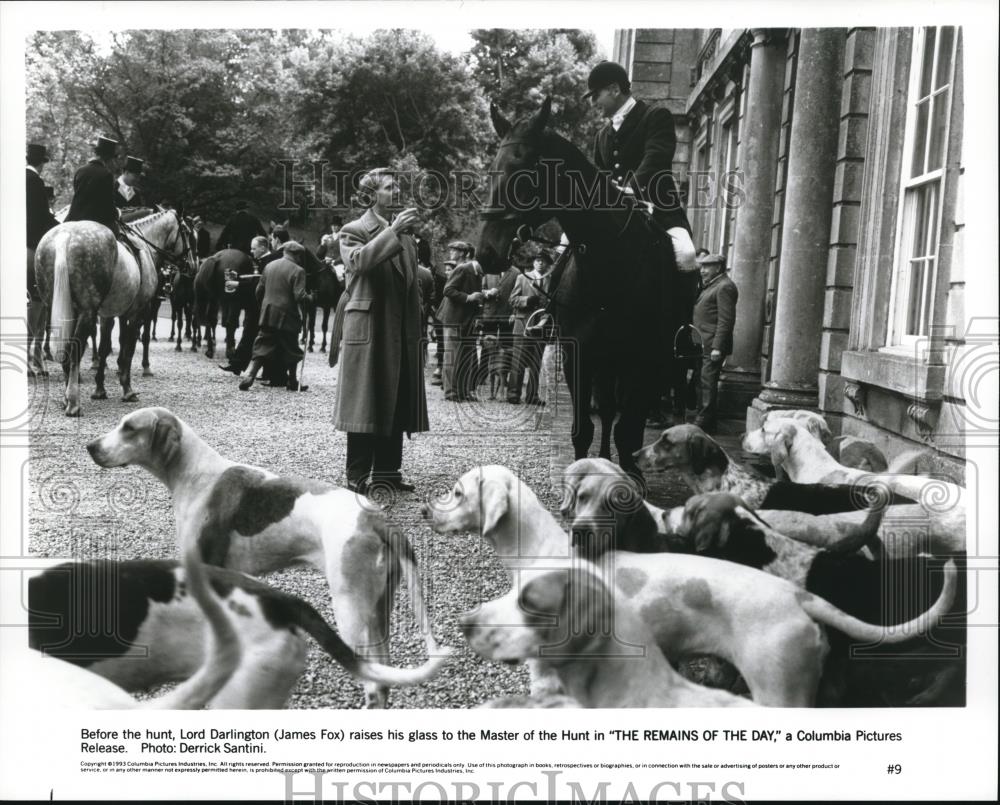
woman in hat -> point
(127, 187)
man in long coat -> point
(39, 221)
(714, 319)
(240, 230)
(381, 383)
(94, 188)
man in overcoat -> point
(39, 221)
(240, 230)
(714, 318)
(380, 392)
(280, 291)
(94, 187)
(463, 298)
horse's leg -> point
(127, 339)
(211, 324)
(637, 387)
(94, 357)
(147, 328)
(326, 324)
(607, 403)
(72, 353)
(312, 327)
(579, 378)
(48, 333)
(101, 358)
(154, 314)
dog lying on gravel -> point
(691, 604)
(46, 682)
(804, 459)
(132, 622)
(705, 467)
(251, 520)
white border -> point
(946, 754)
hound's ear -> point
(493, 504)
(588, 610)
(705, 453)
(542, 116)
(636, 530)
(782, 439)
(166, 439)
(709, 532)
(500, 124)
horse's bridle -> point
(186, 261)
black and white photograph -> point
(460, 361)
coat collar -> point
(631, 121)
(408, 256)
(371, 222)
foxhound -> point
(851, 451)
(692, 604)
(251, 520)
(131, 622)
(54, 683)
(803, 458)
(705, 467)
(601, 652)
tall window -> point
(727, 164)
(701, 195)
(915, 277)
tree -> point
(518, 69)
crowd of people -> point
(395, 301)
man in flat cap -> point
(94, 187)
(463, 298)
(281, 290)
(714, 318)
(39, 221)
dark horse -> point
(325, 288)
(211, 297)
(182, 308)
(617, 300)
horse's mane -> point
(148, 219)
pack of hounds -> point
(830, 586)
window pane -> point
(917, 271)
(945, 47)
(928, 64)
(920, 139)
(935, 158)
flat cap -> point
(711, 260)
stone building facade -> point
(826, 164)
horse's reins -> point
(170, 257)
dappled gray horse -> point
(84, 272)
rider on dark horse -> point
(637, 148)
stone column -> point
(752, 245)
(812, 156)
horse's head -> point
(185, 254)
(519, 190)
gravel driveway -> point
(80, 510)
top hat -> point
(105, 147)
(605, 74)
(133, 165)
(37, 153)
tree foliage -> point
(219, 114)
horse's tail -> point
(63, 317)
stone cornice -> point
(725, 67)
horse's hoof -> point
(178, 348)
(311, 349)
(97, 395)
(147, 372)
(73, 411)
(130, 397)
(154, 338)
(48, 355)
(210, 353)
(323, 348)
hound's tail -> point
(411, 575)
(858, 535)
(826, 613)
(224, 652)
(333, 644)
(63, 317)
